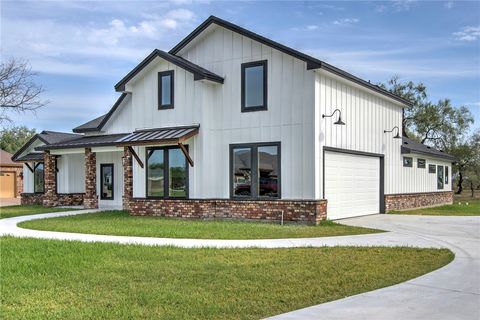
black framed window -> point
(407, 161)
(432, 168)
(167, 173)
(421, 163)
(440, 177)
(106, 181)
(255, 170)
(446, 175)
(254, 86)
(165, 90)
(38, 177)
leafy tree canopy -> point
(14, 138)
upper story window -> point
(407, 161)
(165, 90)
(38, 178)
(254, 86)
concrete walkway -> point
(452, 292)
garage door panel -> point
(352, 184)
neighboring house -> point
(11, 176)
(231, 124)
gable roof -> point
(410, 146)
(98, 123)
(6, 160)
(47, 137)
(312, 63)
(199, 73)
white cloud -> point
(449, 4)
(403, 5)
(346, 21)
(468, 34)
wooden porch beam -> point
(185, 152)
(28, 166)
(135, 155)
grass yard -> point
(121, 223)
(14, 211)
(458, 208)
(47, 279)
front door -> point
(106, 181)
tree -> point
(18, 92)
(14, 138)
(468, 163)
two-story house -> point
(231, 124)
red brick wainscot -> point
(303, 211)
(417, 200)
(27, 199)
(70, 199)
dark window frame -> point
(35, 165)
(166, 173)
(103, 165)
(432, 168)
(162, 74)
(244, 66)
(254, 161)
(424, 163)
(407, 165)
(442, 186)
(446, 174)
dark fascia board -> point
(198, 72)
(312, 63)
(105, 119)
(407, 150)
(28, 144)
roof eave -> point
(407, 150)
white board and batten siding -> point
(71, 173)
(114, 158)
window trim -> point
(442, 178)
(35, 165)
(424, 163)
(254, 160)
(103, 165)
(244, 66)
(172, 90)
(411, 162)
(166, 174)
(434, 169)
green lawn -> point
(47, 279)
(120, 223)
(459, 208)
(14, 211)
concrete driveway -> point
(452, 292)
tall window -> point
(254, 86)
(38, 178)
(106, 183)
(440, 177)
(446, 175)
(167, 173)
(165, 90)
(255, 170)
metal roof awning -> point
(173, 135)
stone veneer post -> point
(90, 200)
(127, 178)
(50, 181)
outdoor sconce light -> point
(339, 121)
(397, 136)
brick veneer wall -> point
(50, 185)
(417, 200)
(306, 211)
(70, 199)
(31, 198)
(127, 178)
(90, 199)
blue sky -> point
(81, 49)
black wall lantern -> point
(397, 136)
(339, 121)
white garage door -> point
(352, 185)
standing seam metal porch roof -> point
(160, 135)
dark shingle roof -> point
(97, 123)
(6, 159)
(199, 73)
(33, 156)
(410, 146)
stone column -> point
(90, 200)
(50, 181)
(127, 178)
